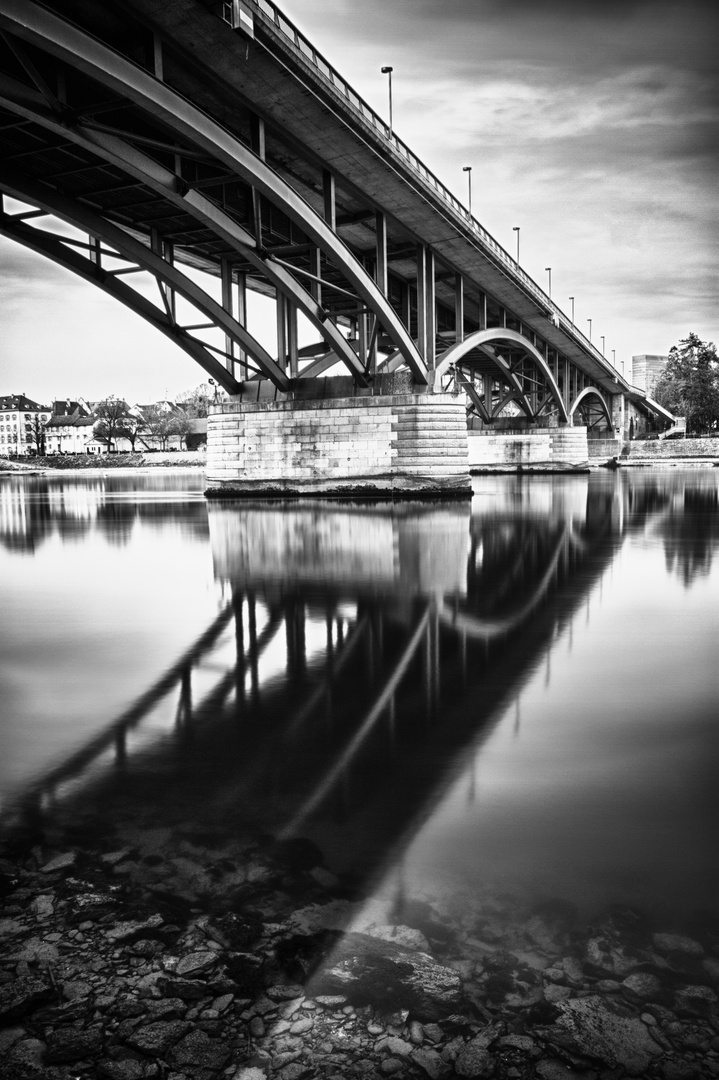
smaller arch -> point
(498, 334)
(591, 391)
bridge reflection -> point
(362, 652)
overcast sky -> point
(594, 127)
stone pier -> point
(390, 442)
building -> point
(67, 430)
(22, 425)
(646, 370)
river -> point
(516, 697)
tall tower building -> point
(646, 370)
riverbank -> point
(185, 956)
(182, 459)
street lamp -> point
(590, 328)
(614, 357)
(572, 299)
(602, 344)
(468, 170)
(516, 228)
(549, 271)
(388, 71)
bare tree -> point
(112, 414)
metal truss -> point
(189, 132)
(121, 246)
(593, 407)
(510, 369)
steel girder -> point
(484, 340)
(592, 392)
(56, 249)
(161, 180)
(127, 246)
(47, 31)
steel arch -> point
(135, 251)
(483, 338)
(31, 105)
(47, 31)
(53, 248)
(591, 391)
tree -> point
(182, 426)
(36, 435)
(195, 402)
(112, 414)
(159, 424)
(689, 384)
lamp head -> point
(386, 70)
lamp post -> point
(572, 299)
(590, 328)
(468, 170)
(388, 71)
(603, 338)
(549, 271)
(516, 228)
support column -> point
(458, 308)
(226, 282)
(421, 301)
(330, 203)
(431, 315)
(482, 311)
(381, 245)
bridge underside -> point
(256, 164)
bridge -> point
(201, 135)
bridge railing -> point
(332, 77)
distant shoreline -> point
(181, 459)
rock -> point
(36, 951)
(133, 929)
(474, 1061)
(588, 1026)
(195, 962)
(394, 1046)
(554, 993)
(642, 985)
(606, 957)
(60, 862)
(555, 1070)
(251, 1073)
(22, 996)
(677, 948)
(43, 906)
(333, 916)
(73, 1044)
(185, 989)
(10, 927)
(695, 1000)
(431, 1063)
(156, 1039)
(27, 1055)
(9, 1036)
(235, 932)
(383, 974)
(127, 1069)
(198, 1049)
(400, 935)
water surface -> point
(517, 696)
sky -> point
(592, 126)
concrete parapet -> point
(389, 445)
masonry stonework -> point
(385, 445)
(547, 449)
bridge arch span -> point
(189, 131)
(592, 400)
(499, 335)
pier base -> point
(392, 445)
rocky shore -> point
(145, 955)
